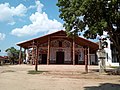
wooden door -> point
(44, 59)
(60, 57)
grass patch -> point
(7, 71)
(35, 72)
(114, 66)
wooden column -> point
(88, 56)
(36, 60)
(33, 52)
(73, 52)
(24, 58)
(48, 54)
(20, 55)
(33, 55)
(86, 61)
(27, 56)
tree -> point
(96, 15)
(13, 54)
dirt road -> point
(55, 77)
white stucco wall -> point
(108, 50)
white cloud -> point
(39, 6)
(20, 10)
(2, 36)
(12, 23)
(7, 12)
(31, 7)
(26, 0)
(39, 23)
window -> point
(60, 43)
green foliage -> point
(114, 66)
(13, 54)
(98, 15)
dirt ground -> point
(56, 77)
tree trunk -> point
(119, 55)
(116, 41)
(115, 38)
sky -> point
(22, 20)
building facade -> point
(57, 48)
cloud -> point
(39, 6)
(26, 0)
(20, 10)
(2, 36)
(7, 13)
(12, 23)
(31, 7)
(39, 23)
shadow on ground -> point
(104, 86)
(114, 71)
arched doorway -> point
(60, 57)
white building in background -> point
(111, 53)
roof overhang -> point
(59, 34)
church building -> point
(58, 48)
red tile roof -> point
(3, 57)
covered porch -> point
(57, 48)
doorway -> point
(60, 57)
(76, 59)
(44, 59)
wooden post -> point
(20, 55)
(86, 63)
(88, 56)
(24, 57)
(36, 60)
(48, 54)
(33, 53)
(27, 56)
(73, 52)
(33, 56)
